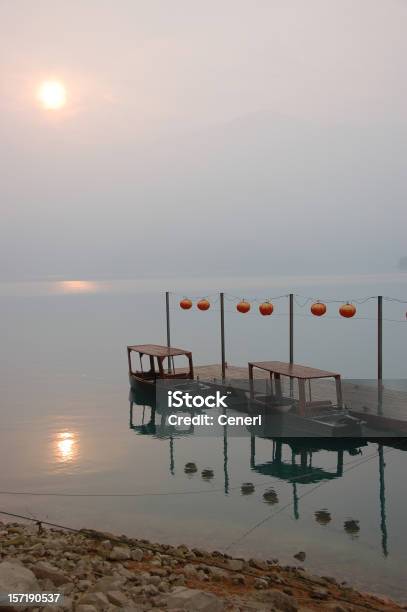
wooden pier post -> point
(225, 460)
(379, 337)
(167, 317)
(380, 352)
(291, 337)
(252, 451)
(383, 523)
(291, 324)
(222, 334)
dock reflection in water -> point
(300, 469)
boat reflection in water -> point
(153, 423)
(298, 470)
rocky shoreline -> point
(100, 572)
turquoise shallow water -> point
(65, 429)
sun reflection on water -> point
(77, 286)
(66, 447)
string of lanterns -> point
(266, 308)
(318, 308)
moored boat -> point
(157, 369)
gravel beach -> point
(102, 572)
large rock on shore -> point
(15, 578)
(279, 601)
(45, 570)
(120, 553)
(107, 583)
(193, 600)
(98, 600)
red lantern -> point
(318, 309)
(185, 304)
(347, 310)
(203, 304)
(243, 306)
(266, 308)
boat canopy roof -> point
(292, 370)
(157, 350)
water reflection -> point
(77, 286)
(352, 527)
(293, 460)
(247, 488)
(65, 447)
(323, 517)
(190, 468)
(270, 497)
(207, 474)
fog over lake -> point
(200, 139)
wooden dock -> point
(382, 408)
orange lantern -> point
(347, 310)
(185, 304)
(266, 308)
(318, 309)
(203, 304)
(243, 306)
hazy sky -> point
(215, 137)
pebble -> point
(153, 580)
(84, 585)
(137, 554)
(201, 575)
(320, 594)
(260, 583)
(189, 570)
(163, 586)
(120, 553)
(236, 564)
(107, 583)
(97, 599)
(38, 550)
(258, 564)
(117, 598)
(150, 589)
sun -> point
(52, 95)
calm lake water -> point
(66, 437)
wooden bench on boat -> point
(157, 354)
(302, 374)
